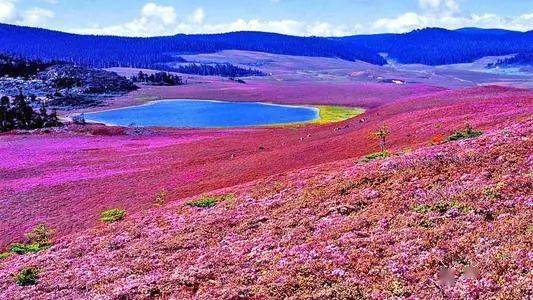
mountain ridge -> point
(430, 46)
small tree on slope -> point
(382, 134)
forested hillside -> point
(431, 46)
(18, 67)
(521, 59)
(107, 51)
(436, 46)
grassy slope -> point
(78, 174)
(332, 114)
(327, 114)
(447, 221)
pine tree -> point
(52, 120)
(5, 120)
(20, 115)
(23, 112)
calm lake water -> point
(204, 114)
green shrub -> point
(399, 289)
(4, 255)
(39, 239)
(442, 207)
(27, 276)
(461, 206)
(204, 202)
(112, 215)
(422, 208)
(41, 234)
(210, 201)
(426, 224)
(494, 192)
(467, 133)
(377, 155)
(22, 249)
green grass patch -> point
(327, 114)
(210, 201)
(377, 155)
(27, 276)
(22, 249)
(112, 215)
(467, 133)
(40, 238)
(399, 289)
(333, 114)
(422, 208)
(4, 255)
(41, 234)
(494, 192)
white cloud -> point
(447, 14)
(327, 29)
(8, 11)
(32, 17)
(36, 16)
(280, 26)
(198, 16)
(152, 12)
(291, 27)
(402, 23)
(439, 6)
(162, 20)
(153, 20)
(157, 19)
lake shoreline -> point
(325, 114)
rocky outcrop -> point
(66, 86)
(80, 80)
(13, 86)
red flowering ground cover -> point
(306, 220)
(366, 94)
(66, 179)
(451, 221)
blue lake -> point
(204, 114)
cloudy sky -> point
(297, 17)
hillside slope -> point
(431, 46)
(79, 173)
(438, 46)
(110, 51)
(445, 222)
(66, 178)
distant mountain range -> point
(431, 46)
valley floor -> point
(299, 195)
(66, 178)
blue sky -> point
(299, 17)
